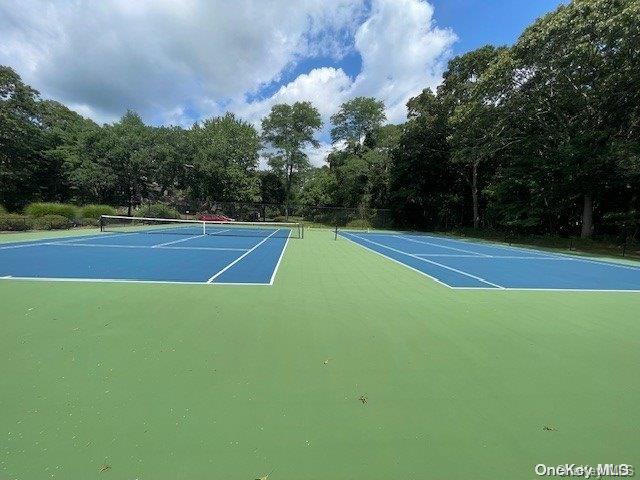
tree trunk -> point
(474, 194)
(587, 217)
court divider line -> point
(275, 270)
(461, 272)
(240, 257)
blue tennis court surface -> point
(144, 257)
(470, 265)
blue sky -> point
(178, 62)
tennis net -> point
(122, 224)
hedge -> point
(15, 223)
(157, 210)
(37, 210)
(94, 211)
(52, 222)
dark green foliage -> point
(538, 138)
(157, 210)
(52, 222)
(94, 211)
(14, 222)
(37, 210)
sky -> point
(181, 61)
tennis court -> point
(464, 264)
(155, 250)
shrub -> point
(15, 223)
(37, 210)
(94, 211)
(2, 210)
(157, 210)
(360, 223)
(52, 222)
(88, 222)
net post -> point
(101, 223)
(301, 226)
(204, 228)
(336, 233)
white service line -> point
(104, 235)
(177, 241)
(477, 254)
(240, 258)
(148, 247)
(466, 274)
(275, 270)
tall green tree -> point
(289, 130)
(423, 182)
(225, 159)
(570, 83)
(357, 118)
(472, 117)
(20, 140)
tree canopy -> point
(539, 137)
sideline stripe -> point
(148, 247)
(437, 280)
(477, 254)
(241, 257)
(275, 270)
(572, 256)
(508, 257)
(461, 272)
(122, 280)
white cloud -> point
(159, 55)
(172, 60)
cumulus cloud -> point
(176, 61)
(159, 55)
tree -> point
(422, 179)
(471, 116)
(356, 119)
(570, 82)
(20, 140)
(288, 130)
(225, 159)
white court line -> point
(543, 252)
(121, 280)
(546, 289)
(509, 257)
(477, 254)
(148, 247)
(275, 270)
(396, 261)
(240, 257)
(475, 277)
(177, 241)
(96, 237)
